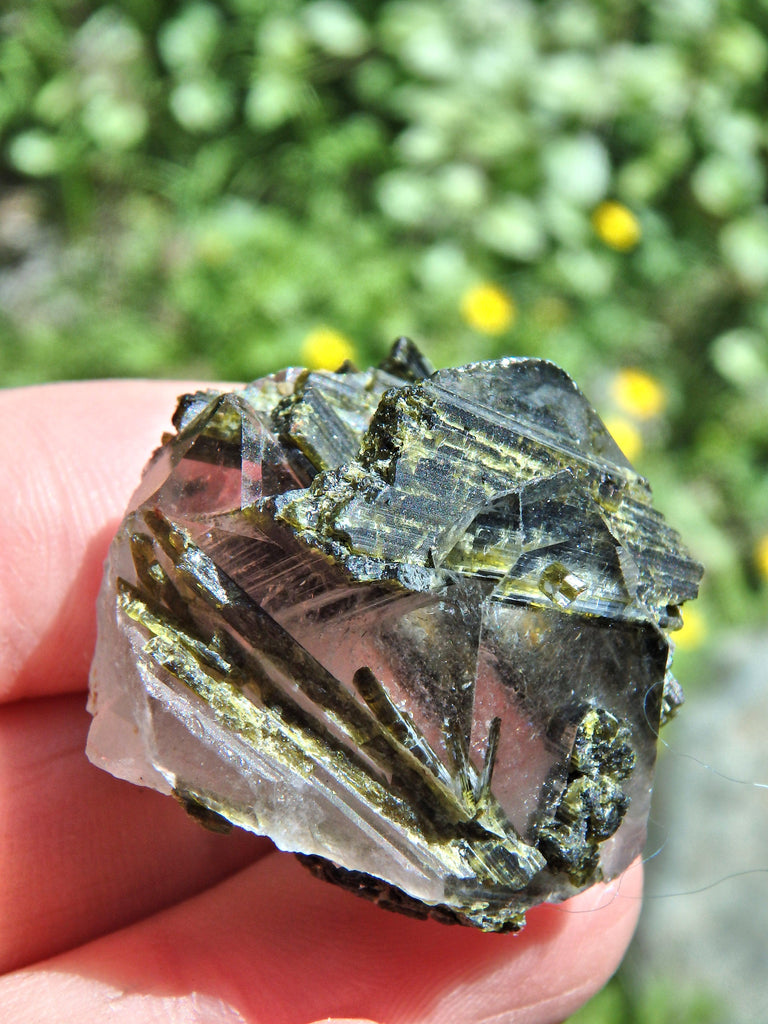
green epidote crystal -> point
(412, 625)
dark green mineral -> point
(413, 626)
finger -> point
(273, 945)
(82, 853)
(73, 454)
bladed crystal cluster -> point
(411, 625)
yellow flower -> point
(488, 309)
(638, 394)
(626, 435)
(692, 632)
(761, 556)
(616, 225)
(326, 349)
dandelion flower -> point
(692, 632)
(488, 309)
(638, 394)
(616, 225)
(626, 435)
(326, 349)
(761, 556)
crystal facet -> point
(412, 626)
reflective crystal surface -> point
(412, 626)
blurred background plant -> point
(216, 189)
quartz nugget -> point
(412, 625)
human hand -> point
(118, 907)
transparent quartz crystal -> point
(412, 625)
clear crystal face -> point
(410, 625)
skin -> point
(115, 905)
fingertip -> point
(73, 454)
(277, 946)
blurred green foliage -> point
(662, 1002)
(193, 188)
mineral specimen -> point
(412, 626)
